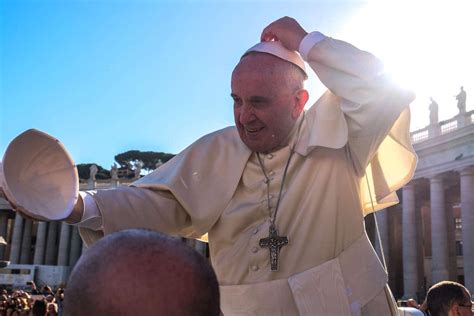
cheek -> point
(236, 116)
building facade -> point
(429, 236)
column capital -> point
(436, 178)
(466, 171)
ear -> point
(301, 97)
(454, 310)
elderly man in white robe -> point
(284, 196)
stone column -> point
(40, 245)
(76, 245)
(16, 239)
(451, 236)
(467, 221)
(439, 232)
(409, 242)
(3, 231)
(26, 242)
(64, 239)
(382, 223)
(50, 256)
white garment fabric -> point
(359, 126)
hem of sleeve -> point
(308, 42)
(92, 216)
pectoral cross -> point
(274, 243)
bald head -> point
(265, 63)
(138, 272)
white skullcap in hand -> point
(277, 49)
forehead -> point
(260, 63)
(260, 71)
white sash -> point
(336, 287)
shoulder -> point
(228, 137)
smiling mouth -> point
(253, 130)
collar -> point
(324, 125)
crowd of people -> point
(31, 302)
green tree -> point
(149, 158)
(84, 172)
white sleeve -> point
(308, 42)
(368, 111)
(91, 217)
(370, 100)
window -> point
(458, 223)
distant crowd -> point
(32, 302)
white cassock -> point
(359, 127)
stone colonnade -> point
(55, 243)
(442, 236)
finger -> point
(269, 38)
(265, 37)
(267, 34)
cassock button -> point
(265, 180)
(270, 156)
(254, 249)
(270, 196)
(255, 268)
(271, 173)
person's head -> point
(139, 272)
(269, 96)
(39, 308)
(448, 298)
(46, 290)
(52, 309)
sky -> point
(109, 76)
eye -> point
(237, 101)
(258, 102)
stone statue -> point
(138, 168)
(93, 171)
(113, 172)
(158, 164)
(461, 97)
(433, 112)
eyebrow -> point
(258, 99)
(252, 98)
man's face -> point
(266, 105)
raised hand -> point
(286, 30)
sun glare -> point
(425, 46)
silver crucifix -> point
(274, 243)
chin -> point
(258, 148)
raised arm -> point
(363, 108)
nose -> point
(246, 114)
